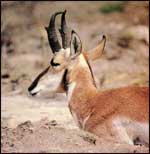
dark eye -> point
(54, 64)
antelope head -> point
(59, 52)
(46, 80)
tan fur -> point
(61, 58)
(116, 112)
(102, 107)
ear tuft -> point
(104, 37)
(73, 32)
(65, 11)
(96, 53)
(46, 28)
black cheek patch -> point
(64, 80)
(35, 82)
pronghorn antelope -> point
(45, 80)
(121, 113)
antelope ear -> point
(76, 45)
(96, 53)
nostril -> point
(53, 63)
(31, 94)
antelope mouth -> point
(33, 93)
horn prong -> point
(52, 35)
(64, 32)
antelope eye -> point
(54, 64)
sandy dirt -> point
(44, 124)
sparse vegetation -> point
(112, 7)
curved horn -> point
(52, 36)
(65, 32)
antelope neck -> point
(79, 77)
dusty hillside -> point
(25, 53)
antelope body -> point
(121, 113)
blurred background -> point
(25, 49)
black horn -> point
(52, 35)
(64, 31)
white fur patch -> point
(71, 87)
(129, 130)
(82, 61)
(74, 115)
(67, 52)
(49, 82)
(85, 120)
(80, 122)
(37, 89)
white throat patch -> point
(71, 88)
(67, 52)
(82, 61)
